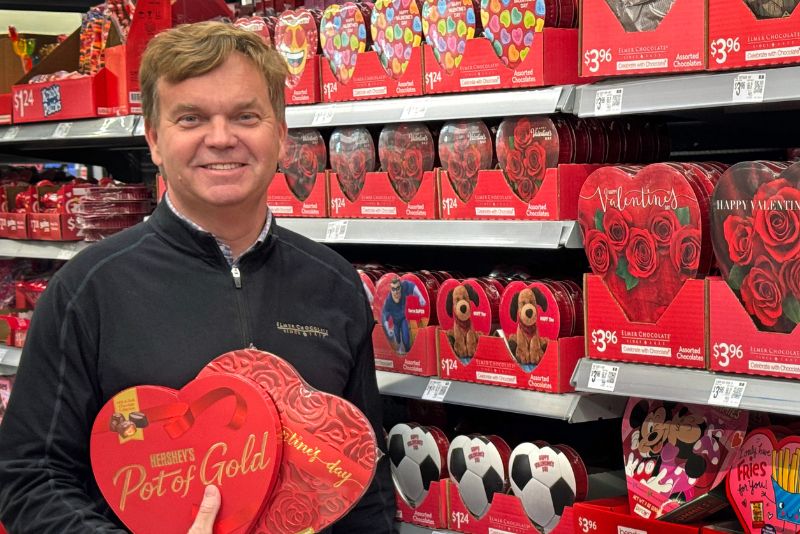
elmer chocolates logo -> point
(51, 100)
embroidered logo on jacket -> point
(302, 330)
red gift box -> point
(420, 360)
(676, 44)
(307, 90)
(61, 225)
(678, 338)
(738, 346)
(493, 364)
(283, 203)
(431, 513)
(551, 61)
(5, 108)
(13, 225)
(379, 200)
(370, 80)
(738, 38)
(14, 329)
(611, 516)
(297, 36)
(493, 198)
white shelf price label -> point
(749, 87)
(66, 251)
(726, 392)
(436, 390)
(413, 111)
(62, 130)
(336, 231)
(608, 101)
(11, 133)
(603, 377)
(321, 117)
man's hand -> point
(204, 522)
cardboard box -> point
(738, 39)
(676, 44)
(551, 61)
(493, 198)
(307, 90)
(370, 80)
(13, 328)
(13, 225)
(61, 226)
(678, 338)
(736, 345)
(611, 516)
(420, 360)
(283, 203)
(379, 200)
(431, 513)
(80, 98)
(493, 364)
(5, 108)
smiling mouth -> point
(293, 58)
(222, 166)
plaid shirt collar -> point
(224, 248)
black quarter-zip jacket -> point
(153, 305)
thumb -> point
(204, 522)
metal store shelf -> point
(572, 407)
(84, 129)
(691, 91)
(54, 250)
(501, 234)
(432, 108)
(9, 359)
(692, 385)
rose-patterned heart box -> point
(620, 38)
(739, 37)
(379, 199)
(550, 61)
(677, 338)
(553, 197)
(404, 338)
(612, 516)
(285, 203)
(297, 40)
(763, 483)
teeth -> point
(223, 166)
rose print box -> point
(284, 202)
(553, 196)
(379, 199)
(745, 33)
(618, 39)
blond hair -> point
(191, 50)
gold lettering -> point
(217, 478)
(127, 488)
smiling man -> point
(208, 273)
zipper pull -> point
(237, 277)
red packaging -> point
(550, 61)
(448, 26)
(467, 309)
(395, 50)
(465, 147)
(5, 108)
(380, 200)
(60, 224)
(352, 154)
(258, 25)
(750, 33)
(619, 38)
(301, 189)
(343, 35)
(309, 495)
(297, 40)
(406, 151)
(150, 431)
(512, 27)
(13, 225)
(611, 516)
(494, 198)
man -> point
(209, 272)
(394, 309)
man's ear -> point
(283, 131)
(151, 135)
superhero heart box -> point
(625, 38)
(763, 483)
(404, 337)
(676, 454)
(743, 37)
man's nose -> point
(220, 134)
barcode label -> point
(749, 87)
(11, 133)
(323, 116)
(62, 130)
(436, 390)
(603, 377)
(135, 97)
(726, 392)
(336, 231)
(608, 101)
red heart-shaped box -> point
(763, 482)
(675, 453)
(297, 40)
(154, 449)
(447, 26)
(406, 151)
(302, 158)
(465, 147)
(398, 309)
(394, 48)
(352, 154)
(645, 233)
(329, 451)
(343, 35)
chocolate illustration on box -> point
(764, 482)
(465, 147)
(329, 448)
(406, 151)
(154, 449)
(675, 453)
(756, 235)
(302, 158)
(352, 154)
(396, 29)
(646, 231)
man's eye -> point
(248, 118)
(188, 120)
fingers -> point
(204, 522)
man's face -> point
(396, 291)
(217, 140)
